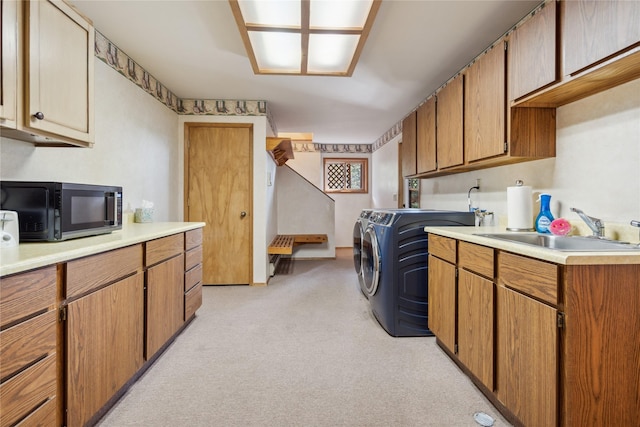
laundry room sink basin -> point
(563, 243)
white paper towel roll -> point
(519, 208)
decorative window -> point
(345, 175)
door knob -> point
(243, 214)
(39, 115)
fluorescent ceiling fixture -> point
(304, 37)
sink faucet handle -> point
(595, 224)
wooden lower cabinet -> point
(28, 344)
(475, 325)
(527, 358)
(442, 301)
(104, 345)
(164, 303)
(601, 346)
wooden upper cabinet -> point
(450, 123)
(485, 106)
(9, 64)
(59, 71)
(426, 136)
(408, 147)
(532, 53)
(595, 30)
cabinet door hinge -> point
(456, 273)
(455, 348)
(506, 45)
(506, 146)
(62, 314)
(560, 320)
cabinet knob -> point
(39, 115)
(243, 214)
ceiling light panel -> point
(304, 37)
(339, 13)
(280, 13)
(329, 53)
(277, 52)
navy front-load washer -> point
(395, 266)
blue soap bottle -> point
(544, 218)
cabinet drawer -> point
(193, 257)
(538, 279)
(192, 277)
(161, 249)
(476, 258)
(193, 238)
(45, 415)
(23, 393)
(25, 343)
(192, 301)
(22, 295)
(87, 274)
(442, 247)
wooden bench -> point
(283, 244)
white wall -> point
(348, 206)
(596, 168)
(304, 209)
(136, 147)
(384, 161)
(309, 165)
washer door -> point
(370, 261)
(357, 246)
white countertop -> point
(468, 234)
(28, 256)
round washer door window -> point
(357, 246)
(370, 261)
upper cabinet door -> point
(426, 136)
(408, 146)
(595, 30)
(59, 70)
(485, 106)
(532, 53)
(450, 123)
(9, 63)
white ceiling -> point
(194, 48)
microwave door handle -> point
(111, 208)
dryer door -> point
(370, 261)
(357, 246)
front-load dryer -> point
(395, 266)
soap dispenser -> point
(544, 218)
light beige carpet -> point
(303, 351)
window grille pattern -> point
(345, 175)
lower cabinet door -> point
(527, 358)
(442, 301)
(165, 303)
(475, 325)
(104, 345)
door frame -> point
(185, 154)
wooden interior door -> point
(218, 190)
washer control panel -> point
(382, 217)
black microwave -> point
(54, 211)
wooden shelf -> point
(280, 149)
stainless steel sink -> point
(563, 243)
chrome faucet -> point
(595, 224)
